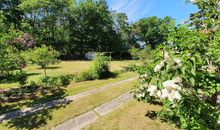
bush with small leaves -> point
(21, 76)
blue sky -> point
(136, 9)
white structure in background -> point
(90, 55)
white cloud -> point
(133, 8)
(148, 8)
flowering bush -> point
(10, 53)
(184, 73)
(184, 76)
(24, 42)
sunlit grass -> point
(72, 89)
(49, 118)
(63, 68)
(130, 116)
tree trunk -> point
(45, 71)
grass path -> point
(49, 118)
(54, 103)
(72, 89)
(89, 117)
(129, 116)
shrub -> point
(100, 67)
(130, 68)
(84, 76)
(60, 81)
(21, 76)
(184, 78)
(134, 53)
(98, 70)
(184, 73)
(65, 80)
(10, 56)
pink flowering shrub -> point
(23, 42)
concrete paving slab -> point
(110, 106)
(78, 122)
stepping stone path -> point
(78, 122)
(54, 103)
(85, 119)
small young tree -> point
(44, 56)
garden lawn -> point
(131, 116)
(72, 89)
(63, 68)
(50, 118)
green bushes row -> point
(98, 70)
(60, 81)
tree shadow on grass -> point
(151, 114)
(13, 79)
(33, 74)
(110, 75)
(36, 120)
(30, 99)
(33, 121)
(50, 68)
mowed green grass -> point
(131, 116)
(70, 90)
(63, 68)
(50, 118)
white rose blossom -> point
(174, 95)
(170, 90)
(159, 66)
(141, 95)
(172, 84)
(171, 87)
(178, 62)
(166, 56)
(164, 94)
(152, 89)
(159, 93)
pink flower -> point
(30, 44)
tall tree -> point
(153, 30)
(91, 27)
(46, 19)
(207, 18)
(126, 39)
(11, 12)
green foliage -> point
(153, 30)
(207, 18)
(141, 54)
(43, 56)
(130, 68)
(98, 70)
(85, 76)
(186, 56)
(13, 16)
(91, 32)
(54, 82)
(21, 76)
(100, 66)
(134, 53)
(10, 56)
(183, 74)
